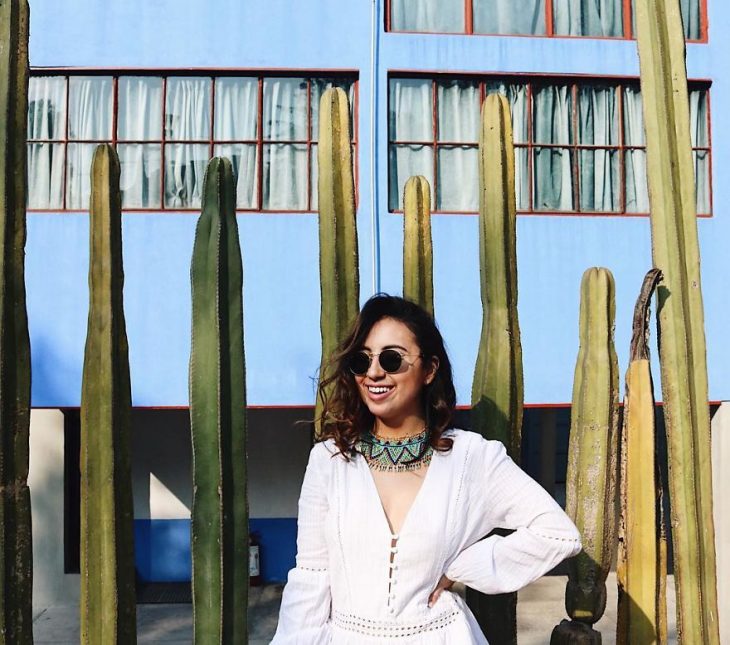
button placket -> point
(392, 580)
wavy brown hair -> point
(344, 414)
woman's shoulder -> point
(472, 442)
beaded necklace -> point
(407, 453)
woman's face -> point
(394, 397)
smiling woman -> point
(396, 503)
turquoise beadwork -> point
(408, 453)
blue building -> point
(171, 84)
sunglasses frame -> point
(377, 355)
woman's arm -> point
(543, 534)
(305, 603)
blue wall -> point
(280, 250)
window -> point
(579, 146)
(605, 19)
(165, 129)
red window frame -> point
(261, 75)
(549, 24)
(531, 81)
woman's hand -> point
(444, 583)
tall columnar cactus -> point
(108, 609)
(682, 352)
(641, 569)
(417, 245)
(16, 561)
(497, 390)
(592, 459)
(338, 256)
(218, 418)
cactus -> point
(592, 459)
(16, 560)
(417, 246)
(682, 352)
(218, 418)
(640, 572)
(338, 258)
(108, 609)
(497, 391)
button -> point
(394, 549)
(393, 581)
(395, 536)
(392, 610)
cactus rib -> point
(417, 244)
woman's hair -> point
(344, 414)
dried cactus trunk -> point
(417, 245)
(682, 350)
(592, 459)
(641, 578)
(108, 602)
(338, 256)
(16, 558)
(497, 390)
(218, 418)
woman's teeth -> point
(378, 390)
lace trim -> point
(386, 629)
(311, 568)
(554, 537)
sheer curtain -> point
(637, 193)
(445, 16)
(700, 139)
(90, 120)
(509, 17)
(410, 120)
(588, 17)
(187, 118)
(691, 18)
(140, 120)
(46, 121)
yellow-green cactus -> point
(417, 244)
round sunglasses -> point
(390, 360)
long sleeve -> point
(305, 604)
(501, 495)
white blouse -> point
(347, 590)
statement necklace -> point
(393, 455)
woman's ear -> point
(433, 367)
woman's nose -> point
(375, 371)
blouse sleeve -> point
(504, 496)
(305, 603)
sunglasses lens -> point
(390, 360)
(359, 363)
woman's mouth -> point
(378, 392)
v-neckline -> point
(379, 500)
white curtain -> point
(588, 17)
(139, 120)
(46, 121)
(509, 17)
(436, 16)
(89, 119)
(700, 139)
(187, 118)
(691, 19)
(637, 193)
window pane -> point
(599, 180)
(509, 17)
(522, 179)
(184, 171)
(314, 177)
(553, 172)
(698, 118)
(691, 19)
(140, 179)
(187, 109)
(236, 109)
(45, 175)
(633, 117)
(702, 179)
(588, 17)
(637, 192)
(244, 158)
(90, 108)
(285, 177)
(458, 179)
(597, 116)
(47, 107)
(319, 85)
(446, 16)
(410, 110)
(404, 162)
(517, 96)
(458, 111)
(552, 114)
(285, 109)
(140, 108)
(78, 169)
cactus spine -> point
(338, 256)
(218, 418)
(417, 245)
(497, 390)
(592, 459)
(641, 569)
(16, 560)
(108, 603)
(682, 351)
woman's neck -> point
(397, 430)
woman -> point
(395, 502)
